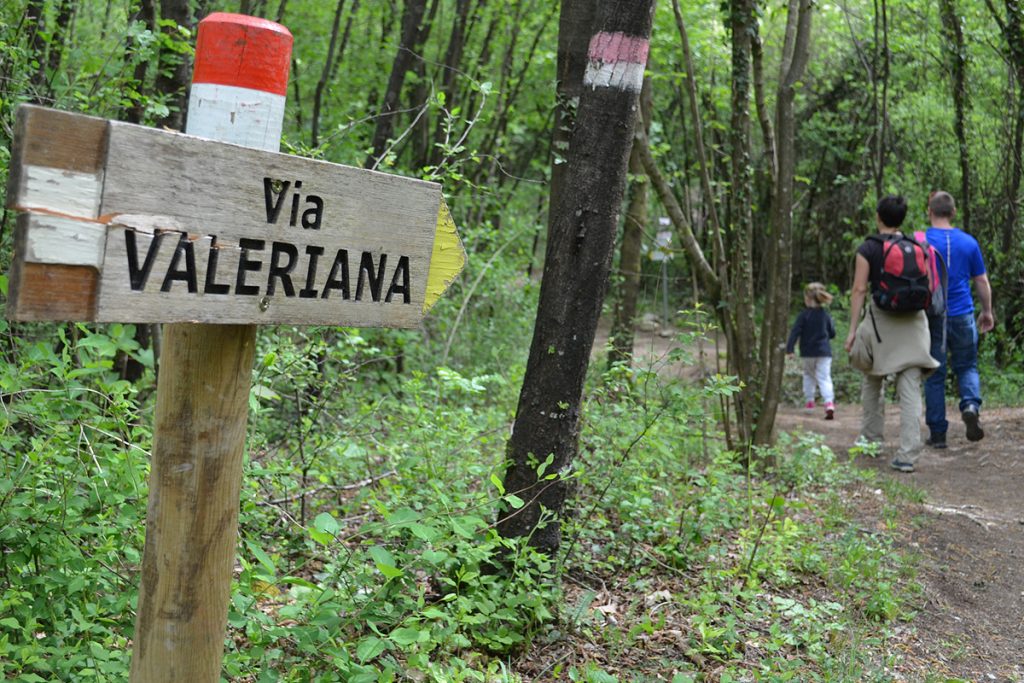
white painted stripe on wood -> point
(251, 118)
(64, 241)
(619, 75)
(60, 191)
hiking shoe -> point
(809, 405)
(830, 411)
(902, 466)
(936, 440)
(970, 417)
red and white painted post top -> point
(240, 81)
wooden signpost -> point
(124, 223)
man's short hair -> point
(941, 205)
(892, 209)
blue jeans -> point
(961, 348)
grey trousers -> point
(908, 388)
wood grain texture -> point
(192, 519)
(194, 488)
(216, 194)
(47, 291)
(57, 161)
(34, 289)
(63, 241)
(56, 190)
(56, 139)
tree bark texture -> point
(796, 52)
(583, 222)
(449, 70)
(34, 12)
(574, 32)
(174, 74)
(321, 85)
(146, 13)
(630, 251)
(957, 52)
(742, 358)
(412, 17)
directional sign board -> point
(122, 223)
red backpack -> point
(938, 275)
(904, 282)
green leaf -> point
(498, 485)
(326, 523)
(299, 581)
(402, 517)
(385, 562)
(261, 556)
(370, 648)
(515, 501)
(265, 393)
(407, 635)
(424, 532)
(10, 622)
(320, 537)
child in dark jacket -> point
(814, 328)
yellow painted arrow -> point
(447, 259)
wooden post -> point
(238, 93)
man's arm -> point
(986, 320)
(859, 291)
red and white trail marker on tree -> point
(124, 223)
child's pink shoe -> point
(830, 410)
(809, 405)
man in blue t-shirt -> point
(965, 265)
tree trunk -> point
(412, 16)
(581, 237)
(882, 104)
(344, 41)
(318, 95)
(61, 36)
(1013, 32)
(796, 52)
(34, 12)
(743, 357)
(958, 71)
(146, 13)
(574, 31)
(449, 70)
(624, 315)
(173, 74)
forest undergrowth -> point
(367, 548)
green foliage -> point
(72, 503)
(373, 474)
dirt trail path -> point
(969, 535)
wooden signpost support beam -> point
(214, 232)
(238, 91)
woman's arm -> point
(857, 295)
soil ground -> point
(967, 533)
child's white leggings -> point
(818, 373)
